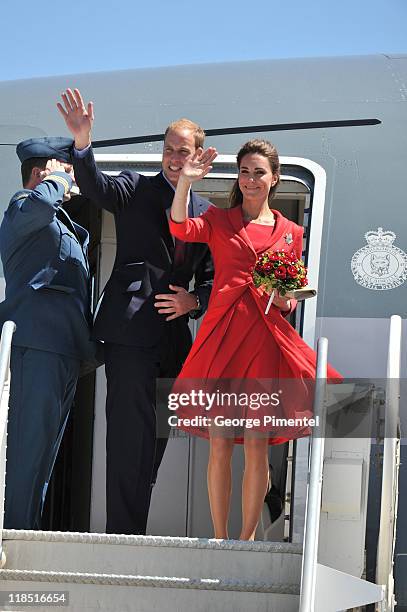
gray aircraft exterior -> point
(345, 184)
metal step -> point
(91, 596)
(152, 556)
(147, 573)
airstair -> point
(144, 573)
(88, 571)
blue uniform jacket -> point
(45, 264)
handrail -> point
(389, 496)
(391, 454)
(7, 332)
(313, 508)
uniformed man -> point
(46, 270)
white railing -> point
(325, 589)
(391, 461)
(5, 353)
(313, 507)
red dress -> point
(236, 339)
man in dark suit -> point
(143, 316)
(45, 263)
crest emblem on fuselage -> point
(379, 265)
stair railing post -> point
(389, 497)
(5, 378)
(316, 462)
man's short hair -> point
(187, 124)
(28, 165)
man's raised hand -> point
(78, 118)
(53, 165)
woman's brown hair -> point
(261, 147)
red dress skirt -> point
(231, 360)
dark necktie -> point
(179, 252)
(179, 246)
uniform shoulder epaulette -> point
(20, 195)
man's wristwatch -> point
(196, 312)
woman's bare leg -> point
(220, 483)
(255, 483)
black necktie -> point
(179, 246)
(179, 252)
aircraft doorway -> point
(181, 488)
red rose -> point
(280, 272)
(292, 271)
(304, 282)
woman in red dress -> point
(236, 339)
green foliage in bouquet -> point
(280, 271)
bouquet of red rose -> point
(279, 271)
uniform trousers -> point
(41, 394)
(133, 451)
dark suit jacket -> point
(144, 264)
(44, 257)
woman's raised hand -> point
(194, 168)
(198, 165)
(78, 118)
